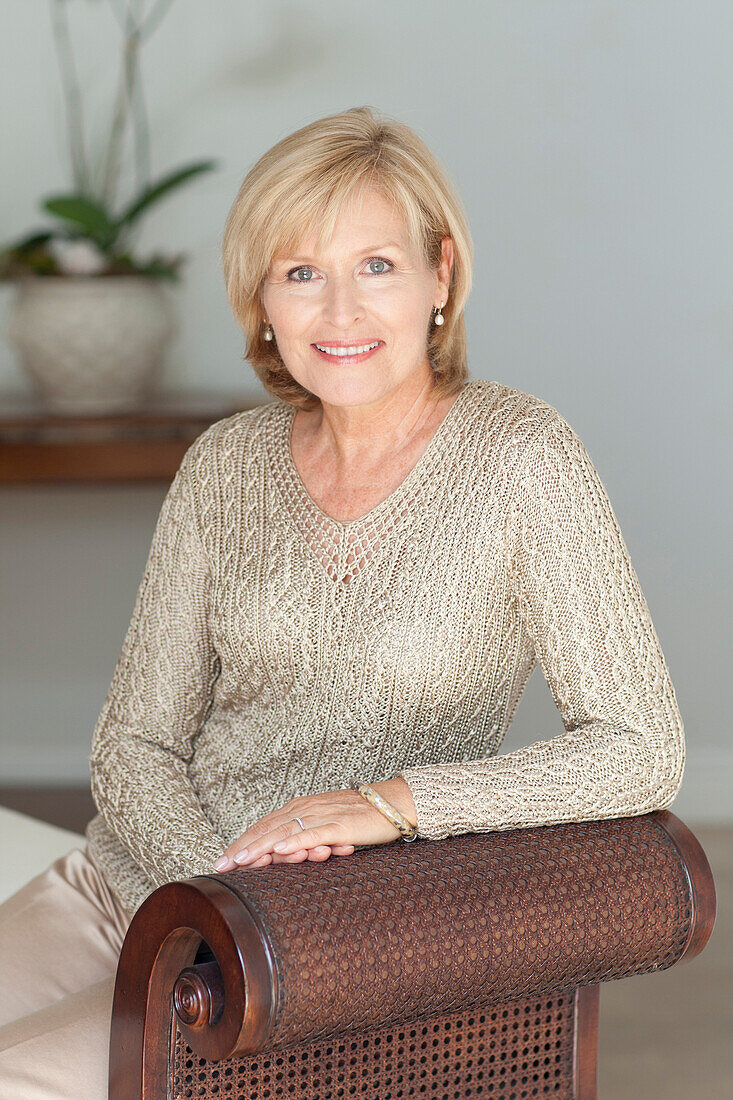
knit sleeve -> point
(575, 591)
(159, 695)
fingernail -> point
(280, 845)
(221, 863)
(239, 857)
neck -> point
(348, 433)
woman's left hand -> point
(335, 822)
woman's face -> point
(368, 286)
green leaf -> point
(156, 190)
(27, 244)
(85, 213)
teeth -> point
(347, 351)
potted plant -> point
(91, 318)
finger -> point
(310, 838)
(262, 861)
(292, 857)
(224, 863)
(245, 857)
(269, 858)
(252, 842)
(319, 854)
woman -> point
(356, 579)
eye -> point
(305, 268)
(386, 265)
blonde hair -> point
(298, 187)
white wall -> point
(590, 142)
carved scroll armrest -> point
(405, 931)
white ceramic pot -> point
(91, 344)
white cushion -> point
(29, 846)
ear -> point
(444, 268)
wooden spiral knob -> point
(198, 995)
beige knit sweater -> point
(273, 652)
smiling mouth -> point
(352, 352)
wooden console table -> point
(145, 445)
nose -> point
(342, 305)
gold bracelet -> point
(406, 828)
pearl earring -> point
(268, 331)
(438, 318)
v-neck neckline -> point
(284, 454)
